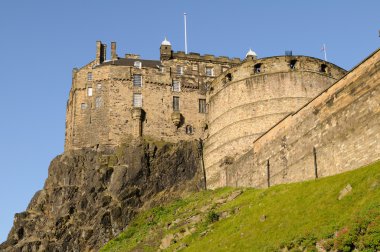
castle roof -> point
(130, 62)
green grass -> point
(292, 216)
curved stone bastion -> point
(249, 99)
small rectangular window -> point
(137, 80)
(202, 106)
(137, 100)
(176, 86)
(189, 129)
(195, 67)
(83, 106)
(179, 70)
(162, 69)
(89, 76)
(209, 71)
(175, 103)
(323, 68)
(98, 102)
(292, 64)
(89, 91)
(137, 64)
(98, 87)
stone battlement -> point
(207, 57)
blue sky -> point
(41, 41)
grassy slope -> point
(297, 215)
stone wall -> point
(85, 122)
(244, 103)
(337, 131)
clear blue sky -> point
(41, 41)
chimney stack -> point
(104, 52)
(113, 51)
(100, 53)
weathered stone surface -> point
(91, 195)
(337, 131)
(244, 108)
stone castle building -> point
(111, 100)
(228, 103)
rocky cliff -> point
(91, 195)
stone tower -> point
(165, 50)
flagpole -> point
(184, 17)
(324, 50)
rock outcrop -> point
(90, 195)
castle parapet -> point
(194, 56)
(236, 60)
(207, 57)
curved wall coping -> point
(250, 63)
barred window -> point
(137, 100)
(98, 102)
(209, 71)
(175, 103)
(176, 86)
(137, 80)
(179, 70)
(89, 76)
(202, 106)
(195, 67)
(89, 91)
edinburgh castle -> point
(235, 107)
(140, 133)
